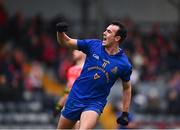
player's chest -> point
(98, 61)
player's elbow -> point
(71, 43)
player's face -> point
(77, 55)
(109, 35)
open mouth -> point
(104, 41)
(104, 38)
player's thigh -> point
(65, 123)
(88, 119)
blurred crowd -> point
(156, 61)
(29, 50)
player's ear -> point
(117, 38)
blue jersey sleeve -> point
(84, 45)
(127, 74)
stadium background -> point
(33, 66)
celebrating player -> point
(105, 63)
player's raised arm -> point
(63, 38)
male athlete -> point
(105, 63)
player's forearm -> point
(62, 38)
(65, 40)
(126, 96)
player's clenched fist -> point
(61, 27)
(123, 119)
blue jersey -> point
(99, 73)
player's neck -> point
(112, 50)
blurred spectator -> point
(34, 79)
(16, 29)
(173, 94)
(3, 22)
(154, 103)
(49, 51)
(12, 73)
(140, 103)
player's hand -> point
(61, 27)
(57, 110)
(123, 119)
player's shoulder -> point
(97, 40)
(91, 42)
(94, 41)
(125, 61)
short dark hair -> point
(122, 30)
